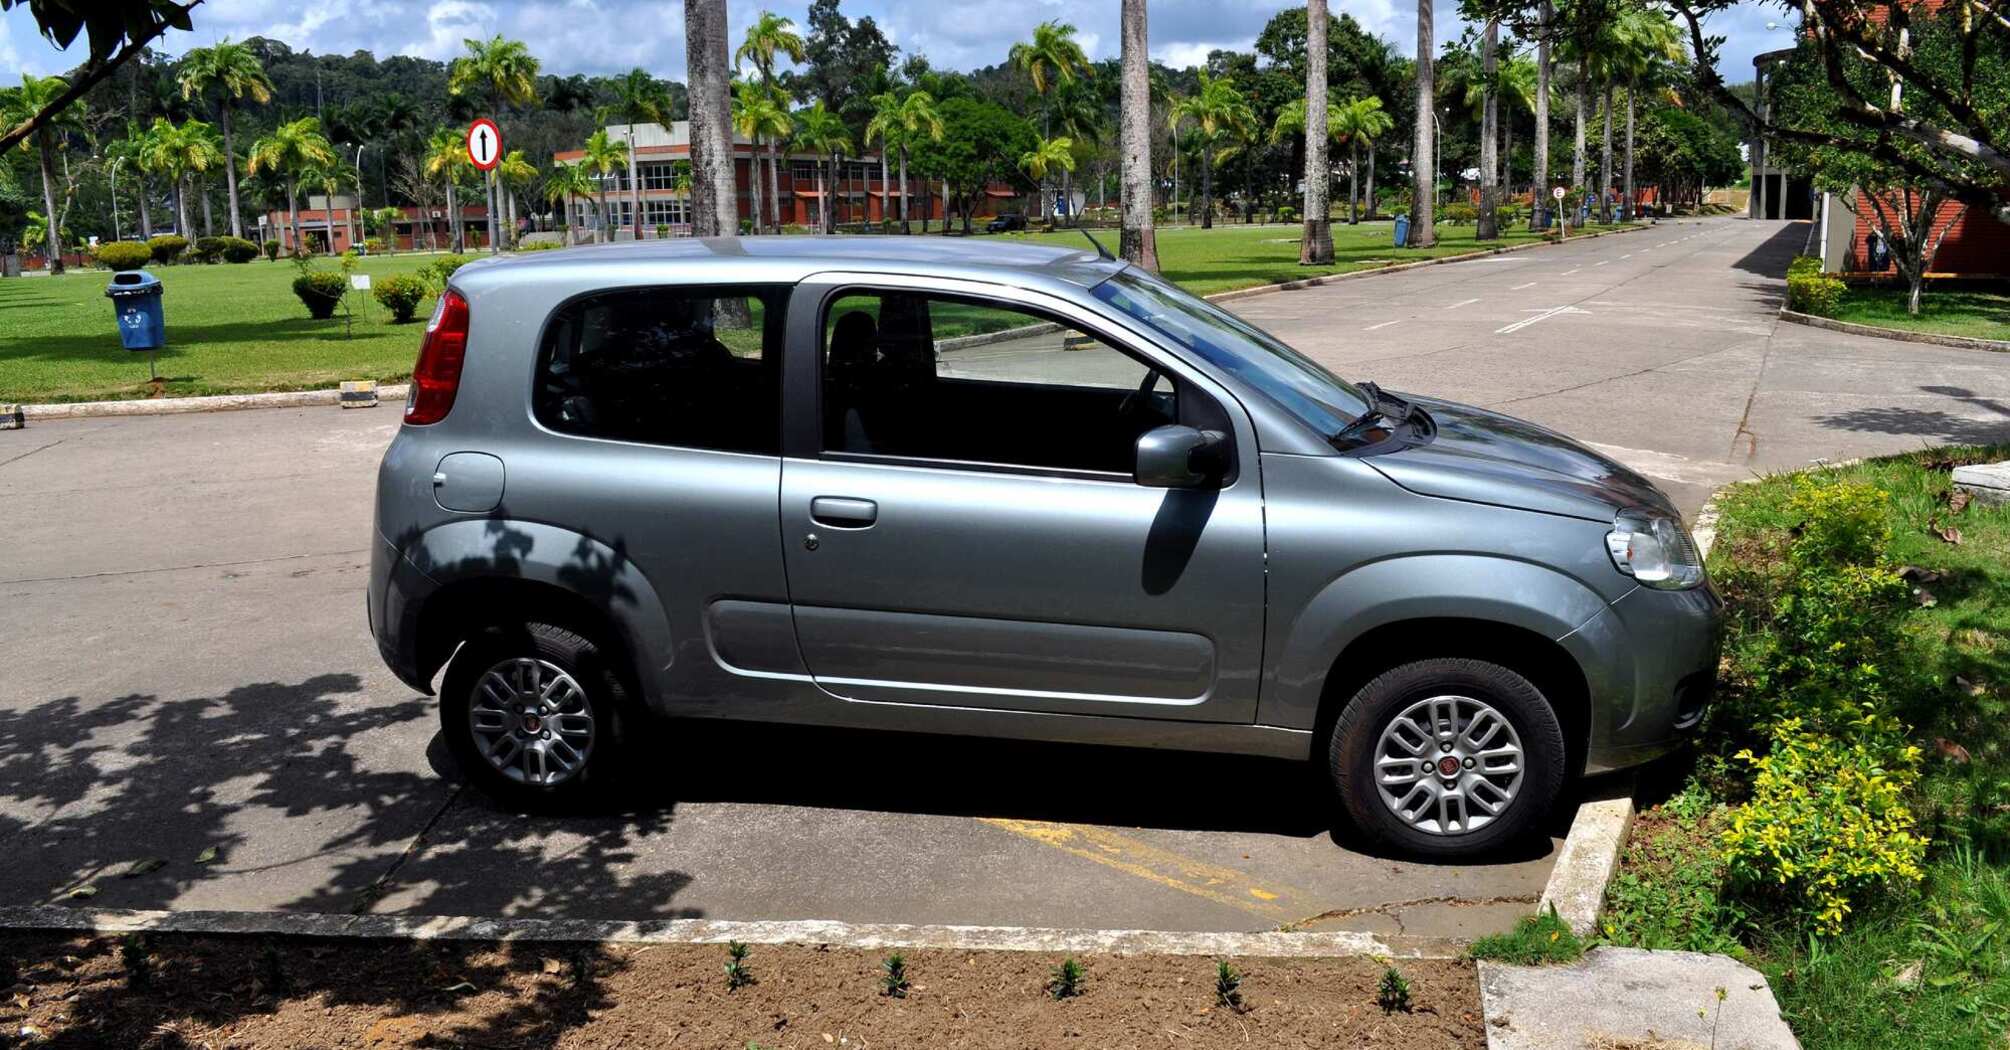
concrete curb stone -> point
(1962, 342)
(1989, 483)
(1616, 997)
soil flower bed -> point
(167, 990)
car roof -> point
(792, 258)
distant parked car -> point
(1011, 490)
(1011, 220)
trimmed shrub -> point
(1827, 825)
(1814, 293)
(662, 230)
(239, 250)
(1804, 264)
(1460, 213)
(167, 247)
(537, 246)
(321, 291)
(272, 250)
(1287, 213)
(435, 273)
(401, 294)
(207, 249)
(373, 246)
(123, 255)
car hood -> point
(1485, 457)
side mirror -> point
(1177, 457)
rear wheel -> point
(1448, 757)
(529, 711)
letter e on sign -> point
(484, 143)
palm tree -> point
(181, 152)
(1051, 58)
(290, 148)
(567, 183)
(1538, 213)
(1316, 246)
(328, 179)
(760, 115)
(1138, 243)
(918, 121)
(885, 126)
(1489, 132)
(1424, 185)
(231, 72)
(603, 157)
(1290, 127)
(1360, 122)
(1046, 155)
(22, 103)
(447, 160)
(769, 36)
(513, 173)
(1516, 88)
(502, 72)
(1650, 48)
(715, 210)
(1220, 115)
(821, 132)
(640, 97)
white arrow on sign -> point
(484, 143)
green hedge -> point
(123, 255)
(167, 247)
(401, 293)
(321, 291)
(1814, 293)
(238, 250)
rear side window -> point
(691, 367)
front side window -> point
(1297, 384)
(692, 367)
(917, 376)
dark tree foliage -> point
(981, 144)
(845, 63)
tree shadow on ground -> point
(1930, 425)
(103, 345)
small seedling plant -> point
(138, 960)
(1067, 980)
(737, 974)
(893, 976)
(1227, 985)
(1394, 993)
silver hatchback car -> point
(991, 488)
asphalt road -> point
(188, 670)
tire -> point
(1489, 808)
(558, 757)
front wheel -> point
(529, 711)
(1448, 757)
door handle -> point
(843, 512)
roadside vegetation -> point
(1845, 824)
(1973, 313)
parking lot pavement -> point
(190, 680)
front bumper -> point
(1650, 662)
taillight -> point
(437, 376)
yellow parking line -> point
(1237, 889)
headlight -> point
(1654, 549)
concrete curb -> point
(1961, 342)
(1631, 997)
(1314, 282)
(1589, 858)
(706, 931)
(166, 406)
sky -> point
(613, 36)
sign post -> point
(485, 151)
(1562, 218)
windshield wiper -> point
(1383, 407)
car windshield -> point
(1321, 400)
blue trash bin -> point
(136, 301)
(1402, 230)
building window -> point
(803, 170)
(659, 176)
(672, 212)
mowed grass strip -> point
(236, 329)
(1966, 312)
(231, 329)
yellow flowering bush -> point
(1827, 821)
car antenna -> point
(1100, 250)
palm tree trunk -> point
(754, 198)
(293, 208)
(1368, 191)
(1487, 226)
(1138, 243)
(1424, 187)
(1605, 160)
(1577, 147)
(885, 184)
(823, 202)
(146, 214)
(52, 248)
(775, 185)
(181, 224)
(229, 166)
(202, 194)
(1315, 248)
(714, 189)
(1507, 154)
(453, 218)
(634, 183)
(1354, 180)
(600, 213)
(1632, 206)
(1538, 212)
(904, 227)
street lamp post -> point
(116, 161)
(355, 207)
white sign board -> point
(1557, 193)
(360, 281)
(484, 143)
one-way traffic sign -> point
(484, 143)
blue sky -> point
(611, 36)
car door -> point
(960, 525)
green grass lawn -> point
(1232, 256)
(1977, 314)
(230, 329)
(239, 329)
(1918, 966)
